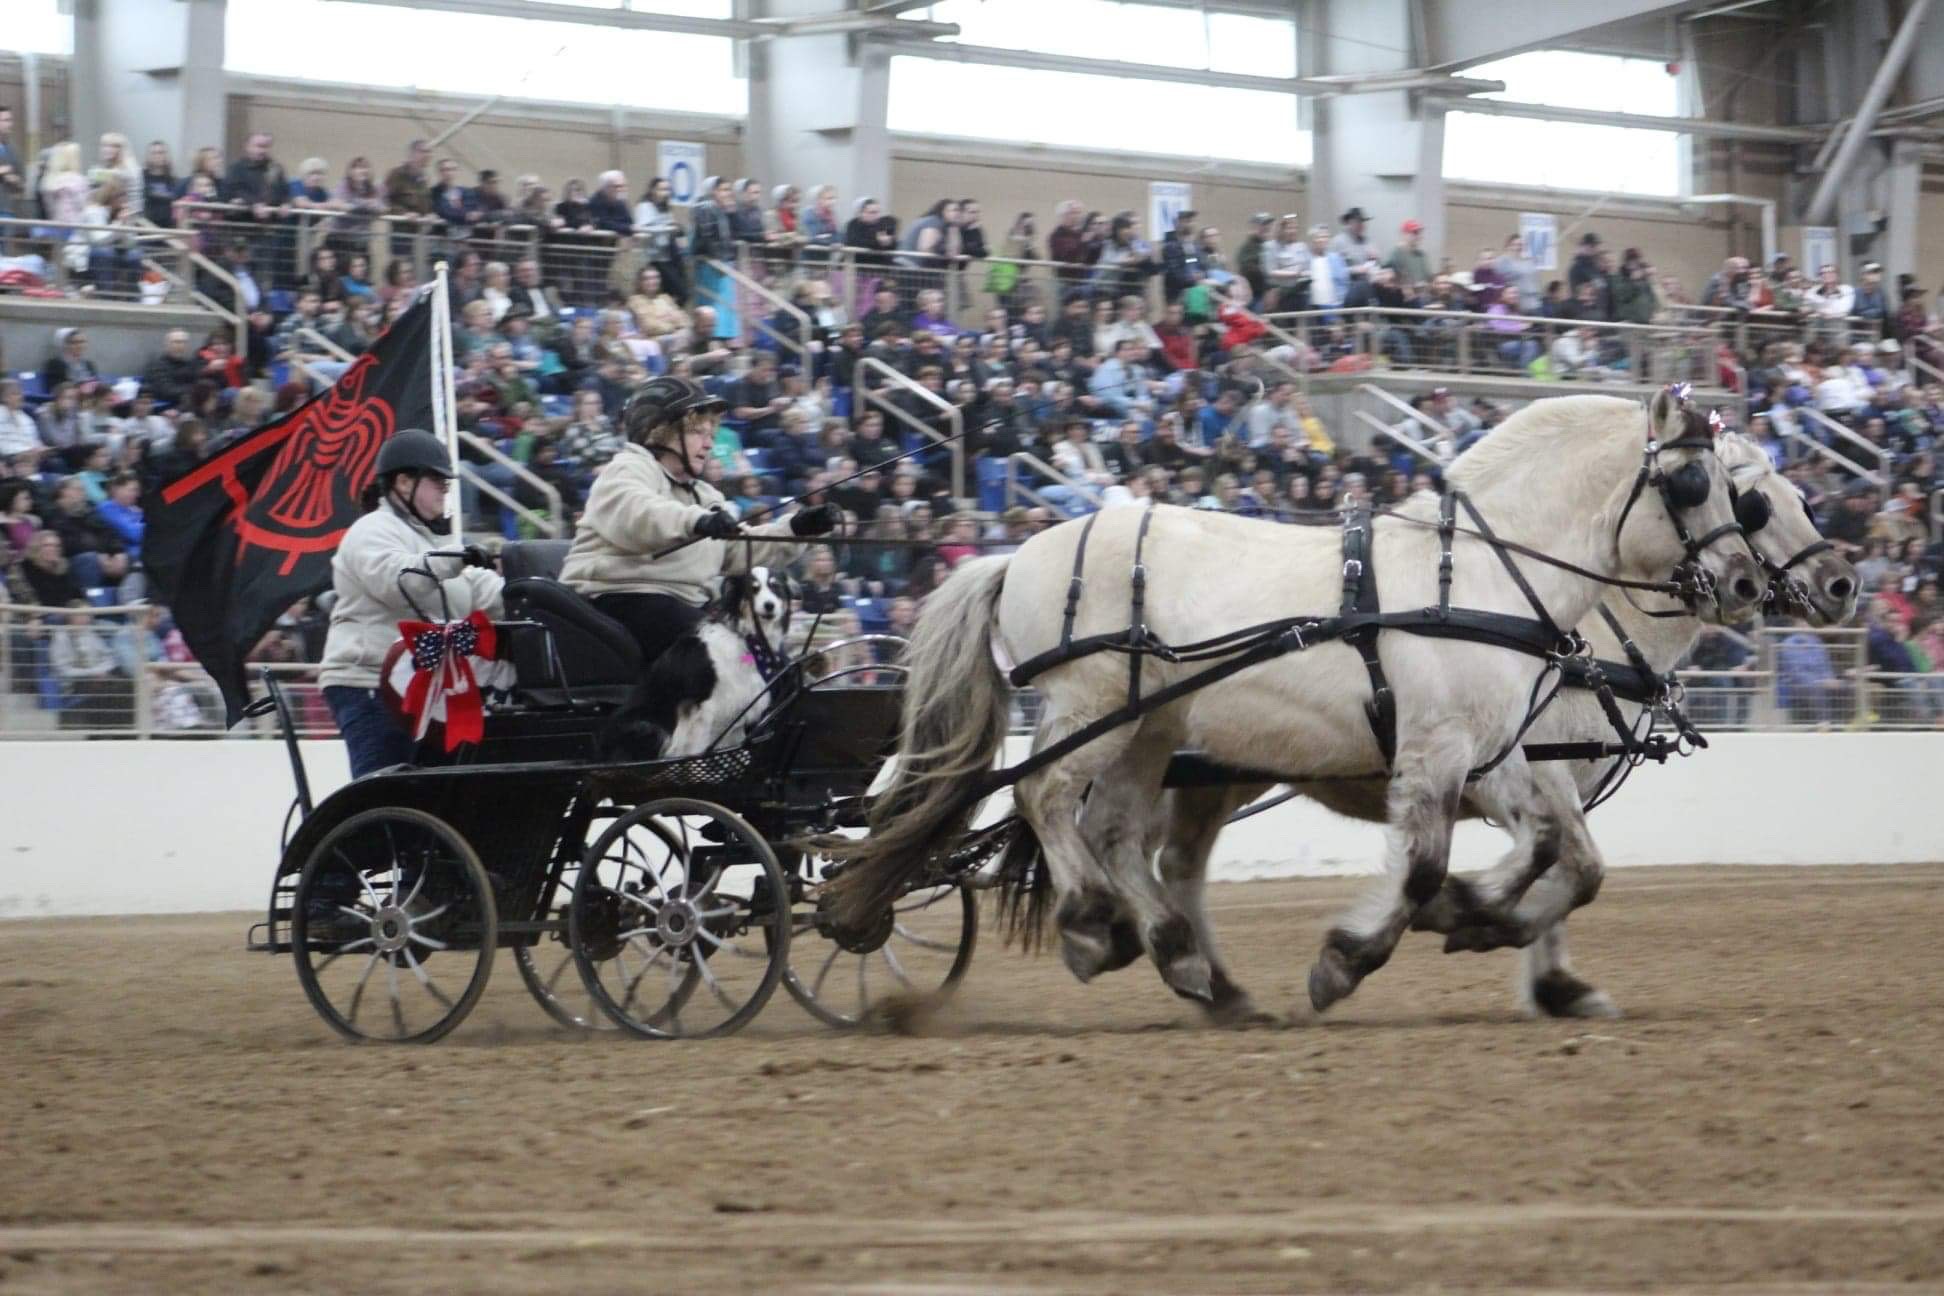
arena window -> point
(1134, 33)
(488, 55)
(934, 97)
(1568, 155)
(39, 27)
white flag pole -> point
(445, 402)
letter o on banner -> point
(682, 164)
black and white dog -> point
(702, 692)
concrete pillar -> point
(817, 109)
(1381, 152)
(1905, 188)
(149, 70)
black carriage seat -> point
(595, 659)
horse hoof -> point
(1084, 956)
(1480, 937)
(1191, 977)
(1330, 979)
(1561, 994)
(1455, 905)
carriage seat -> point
(594, 658)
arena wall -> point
(176, 827)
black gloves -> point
(716, 524)
(821, 520)
(478, 557)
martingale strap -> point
(1359, 611)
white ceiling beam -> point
(1643, 121)
(1374, 83)
(643, 20)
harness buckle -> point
(1353, 569)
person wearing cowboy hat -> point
(383, 558)
(651, 498)
(1358, 252)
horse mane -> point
(1536, 432)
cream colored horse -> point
(1563, 477)
(1496, 908)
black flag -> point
(232, 543)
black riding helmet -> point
(664, 402)
(661, 401)
(419, 453)
(414, 451)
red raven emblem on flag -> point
(308, 498)
(240, 537)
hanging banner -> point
(1540, 233)
(1818, 249)
(1167, 199)
(681, 164)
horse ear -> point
(1664, 415)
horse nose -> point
(1841, 588)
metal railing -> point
(874, 397)
(107, 672)
(1752, 332)
(745, 294)
(550, 524)
(587, 267)
(136, 264)
(1474, 343)
(1841, 433)
(1017, 489)
(1431, 451)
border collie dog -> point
(702, 692)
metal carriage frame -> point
(413, 867)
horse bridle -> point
(1683, 489)
(1788, 593)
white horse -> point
(1477, 913)
(1587, 480)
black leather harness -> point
(1359, 623)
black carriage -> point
(668, 898)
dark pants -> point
(373, 739)
(654, 621)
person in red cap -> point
(1407, 258)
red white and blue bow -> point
(443, 687)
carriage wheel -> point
(918, 951)
(680, 921)
(547, 965)
(393, 927)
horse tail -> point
(956, 708)
(1025, 887)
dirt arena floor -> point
(1769, 1116)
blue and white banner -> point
(682, 164)
(1540, 233)
(1167, 199)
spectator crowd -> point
(1126, 370)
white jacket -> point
(365, 573)
(637, 509)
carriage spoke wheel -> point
(916, 952)
(547, 966)
(680, 921)
(393, 927)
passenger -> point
(650, 497)
(405, 520)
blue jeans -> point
(373, 739)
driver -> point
(404, 518)
(650, 497)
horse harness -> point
(1359, 623)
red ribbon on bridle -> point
(443, 686)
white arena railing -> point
(100, 673)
